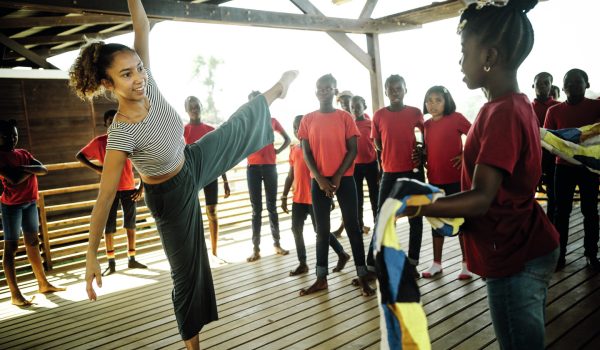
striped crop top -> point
(155, 145)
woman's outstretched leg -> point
(279, 90)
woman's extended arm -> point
(113, 166)
(141, 29)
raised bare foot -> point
(365, 289)
(342, 260)
(301, 269)
(286, 80)
(19, 300)
(134, 264)
(370, 277)
(255, 256)
(320, 284)
(281, 251)
(50, 289)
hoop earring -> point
(487, 68)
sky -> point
(566, 36)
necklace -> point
(146, 106)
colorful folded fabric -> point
(579, 146)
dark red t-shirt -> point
(301, 185)
(96, 149)
(515, 229)
(267, 154)
(194, 132)
(541, 108)
(366, 148)
(396, 130)
(443, 141)
(327, 134)
(26, 191)
(565, 115)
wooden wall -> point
(53, 125)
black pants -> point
(548, 169)
(566, 178)
(370, 172)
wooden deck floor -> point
(259, 306)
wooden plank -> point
(23, 51)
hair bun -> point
(522, 5)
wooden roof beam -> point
(59, 39)
(24, 52)
(437, 11)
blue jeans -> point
(518, 302)
(257, 174)
(299, 213)
(19, 216)
(346, 196)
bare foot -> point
(286, 80)
(343, 259)
(19, 300)
(51, 289)
(255, 256)
(365, 289)
(281, 251)
(301, 269)
(320, 284)
(370, 278)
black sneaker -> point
(560, 264)
(110, 269)
(593, 263)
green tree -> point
(206, 67)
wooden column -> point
(375, 72)
(44, 231)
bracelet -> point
(417, 212)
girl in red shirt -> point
(508, 237)
(444, 159)
(18, 171)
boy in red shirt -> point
(262, 169)
(299, 179)
(329, 145)
(542, 83)
(575, 112)
(193, 132)
(394, 135)
(127, 194)
(18, 171)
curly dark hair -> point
(86, 74)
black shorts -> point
(129, 212)
(211, 193)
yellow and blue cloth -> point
(579, 146)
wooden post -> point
(375, 72)
(44, 232)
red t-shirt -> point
(194, 132)
(301, 185)
(396, 130)
(267, 154)
(443, 140)
(26, 191)
(327, 134)
(366, 148)
(96, 149)
(541, 108)
(515, 229)
(565, 115)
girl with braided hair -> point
(508, 238)
(149, 131)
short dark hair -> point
(394, 78)
(449, 104)
(361, 99)
(328, 78)
(6, 126)
(108, 114)
(577, 71)
(543, 74)
(504, 26)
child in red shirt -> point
(366, 166)
(394, 135)
(127, 194)
(508, 237)
(262, 169)
(542, 83)
(444, 146)
(299, 179)
(193, 132)
(329, 146)
(18, 171)
(575, 112)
